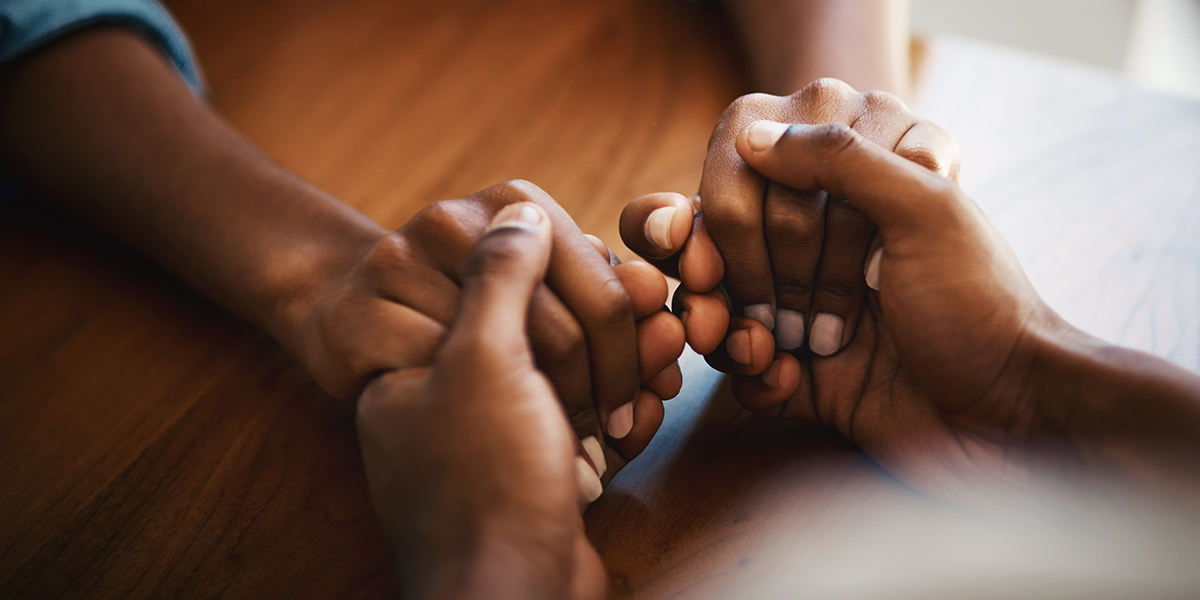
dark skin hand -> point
(99, 123)
(475, 478)
(791, 261)
(959, 374)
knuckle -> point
(565, 343)
(788, 287)
(616, 307)
(388, 255)
(730, 219)
(441, 221)
(793, 224)
(875, 101)
(750, 103)
(824, 90)
(436, 214)
(517, 190)
(838, 288)
(741, 112)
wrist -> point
(317, 256)
(1114, 410)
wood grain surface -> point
(153, 446)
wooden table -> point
(153, 446)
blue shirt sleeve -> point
(27, 24)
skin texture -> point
(769, 244)
(959, 377)
(100, 124)
(472, 477)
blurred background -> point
(1155, 43)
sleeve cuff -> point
(26, 25)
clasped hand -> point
(840, 274)
(597, 330)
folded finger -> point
(795, 229)
(705, 318)
(840, 284)
(656, 226)
(667, 383)
(748, 348)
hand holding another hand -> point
(596, 330)
(959, 375)
(471, 463)
(791, 260)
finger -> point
(932, 147)
(795, 229)
(840, 285)
(587, 285)
(660, 342)
(893, 192)
(656, 226)
(733, 207)
(560, 351)
(667, 383)
(646, 415)
(766, 394)
(377, 349)
(590, 466)
(871, 269)
(646, 286)
(590, 288)
(600, 247)
(882, 118)
(408, 278)
(749, 348)
(499, 280)
(705, 318)
(700, 266)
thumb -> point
(892, 191)
(656, 225)
(501, 274)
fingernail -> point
(738, 347)
(620, 421)
(658, 227)
(592, 446)
(826, 336)
(789, 329)
(761, 313)
(762, 135)
(521, 215)
(771, 376)
(589, 482)
(872, 272)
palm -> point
(872, 394)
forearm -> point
(792, 42)
(1123, 411)
(99, 123)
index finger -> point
(733, 195)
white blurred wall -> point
(1154, 42)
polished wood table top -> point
(153, 446)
